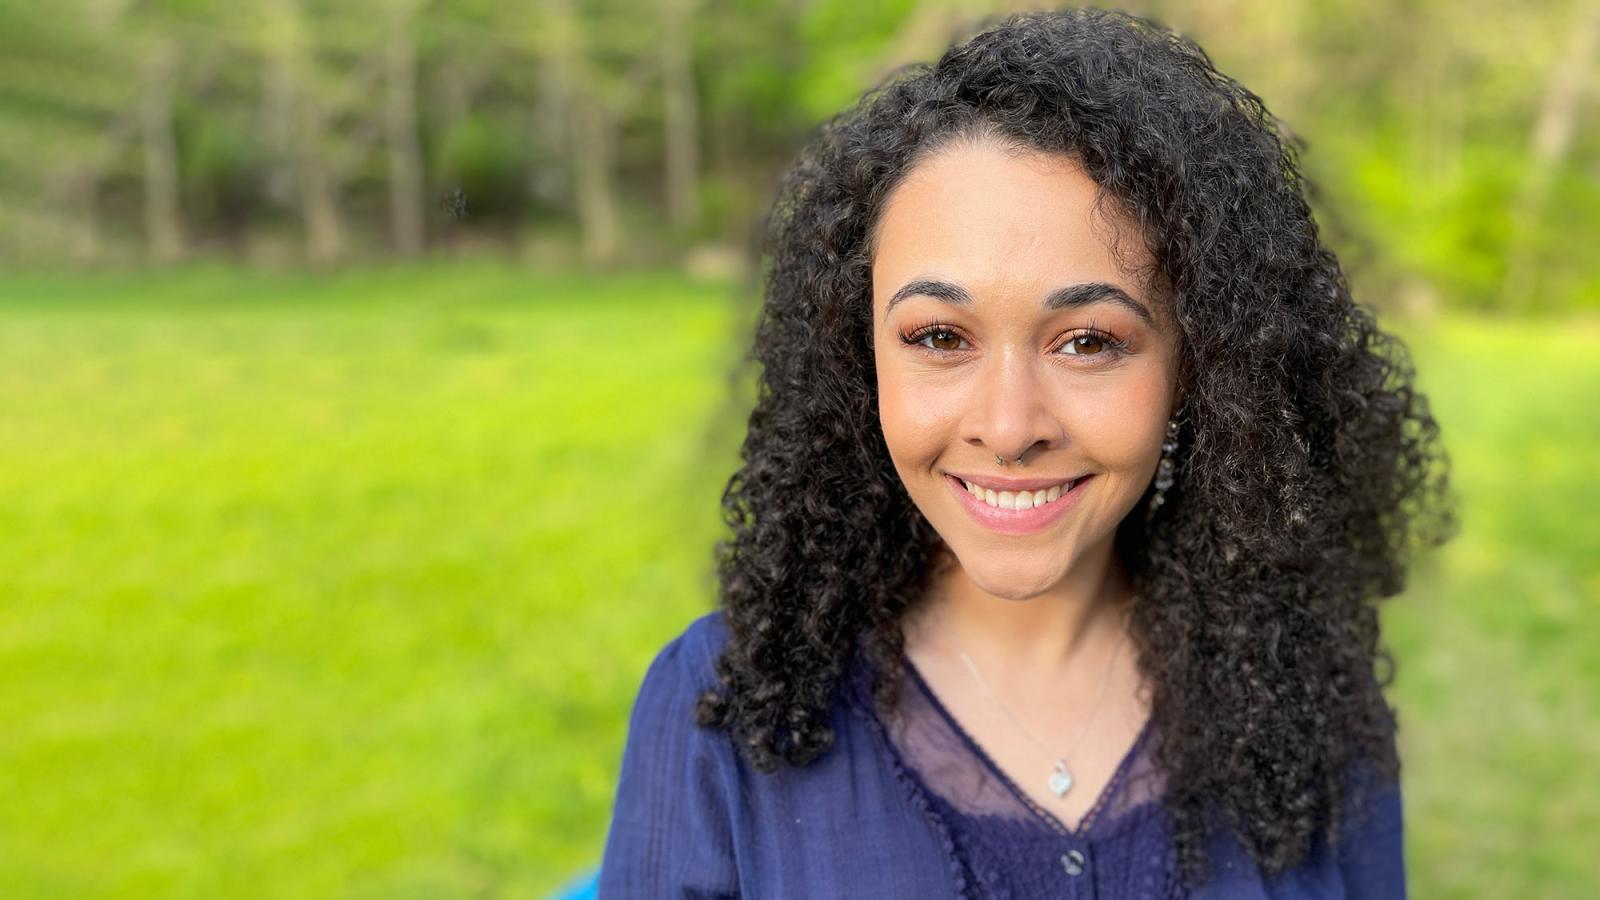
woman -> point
(1073, 481)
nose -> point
(1011, 413)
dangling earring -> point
(1166, 469)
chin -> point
(1006, 582)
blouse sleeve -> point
(670, 832)
(1372, 855)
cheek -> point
(917, 417)
(1121, 428)
(1118, 436)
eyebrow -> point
(1072, 295)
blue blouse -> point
(910, 806)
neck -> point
(1041, 635)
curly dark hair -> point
(1312, 469)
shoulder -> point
(669, 759)
(688, 661)
(682, 670)
(674, 817)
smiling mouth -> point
(1024, 516)
(1019, 499)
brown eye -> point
(1086, 344)
(938, 340)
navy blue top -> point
(908, 805)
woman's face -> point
(1004, 325)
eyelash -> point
(1114, 346)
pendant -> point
(1060, 779)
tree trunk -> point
(400, 127)
(681, 114)
(276, 121)
(593, 149)
(163, 216)
(294, 107)
(592, 126)
(80, 194)
(1552, 138)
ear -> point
(1180, 382)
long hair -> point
(1310, 471)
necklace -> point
(1060, 778)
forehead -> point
(1000, 220)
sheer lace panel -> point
(953, 765)
(1002, 844)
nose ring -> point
(999, 461)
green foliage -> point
(1421, 120)
(487, 163)
(845, 41)
(222, 178)
(1453, 235)
(343, 585)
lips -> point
(996, 483)
(1019, 521)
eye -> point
(1085, 344)
(941, 340)
(937, 338)
(1092, 342)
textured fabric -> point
(907, 805)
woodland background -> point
(1458, 137)
(368, 379)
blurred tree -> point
(680, 113)
(299, 119)
(64, 84)
(563, 42)
(171, 127)
(400, 127)
(157, 33)
(163, 217)
(1552, 140)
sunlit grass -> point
(1499, 667)
(342, 585)
(338, 590)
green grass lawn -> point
(342, 585)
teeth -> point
(1020, 499)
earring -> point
(1166, 469)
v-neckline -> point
(1049, 818)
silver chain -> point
(1082, 730)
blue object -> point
(583, 887)
(913, 808)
